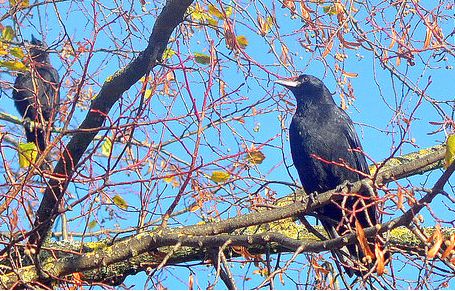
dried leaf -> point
(363, 242)
(450, 245)
(304, 10)
(222, 88)
(350, 75)
(380, 269)
(437, 239)
(400, 196)
(289, 4)
(229, 36)
(284, 54)
(327, 49)
(27, 154)
(428, 36)
(195, 207)
(394, 35)
(265, 25)
(13, 219)
(220, 176)
(191, 282)
(120, 202)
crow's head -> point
(307, 88)
(38, 50)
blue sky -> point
(373, 88)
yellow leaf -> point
(169, 179)
(242, 40)
(148, 93)
(450, 151)
(3, 49)
(220, 176)
(13, 65)
(20, 3)
(120, 202)
(168, 53)
(201, 58)
(17, 52)
(8, 33)
(228, 11)
(195, 208)
(106, 147)
(215, 12)
(255, 157)
(27, 154)
(198, 13)
(330, 9)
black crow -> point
(327, 152)
(36, 95)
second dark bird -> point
(321, 133)
(36, 94)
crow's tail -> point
(347, 254)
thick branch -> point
(216, 234)
(110, 93)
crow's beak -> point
(288, 82)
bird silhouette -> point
(36, 95)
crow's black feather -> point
(36, 94)
(320, 134)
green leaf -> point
(92, 224)
(202, 58)
(120, 202)
(8, 33)
(106, 147)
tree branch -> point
(112, 90)
(211, 235)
